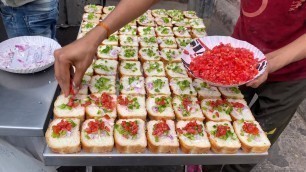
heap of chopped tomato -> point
(161, 102)
(95, 126)
(123, 101)
(131, 128)
(250, 128)
(160, 128)
(73, 102)
(106, 101)
(61, 126)
(191, 128)
(217, 103)
(225, 65)
(187, 102)
(237, 105)
(222, 130)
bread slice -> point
(197, 23)
(181, 32)
(105, 67)
(251, 142)
(91, 17)
(149, 54)
(128, 53)
(157, 86)
(146, 31)
(175, 13)
(187, 108)
(132, 85)
(98, 108)
(175, 70)
(130, 68)
(84, 85)
(108, 9)
(130, 107)
(205, 91)
(87, 26)
(159, 13)
(111, 40)
(159, 107)
(170, 55)
(149, 13)
(162, 31)
(145, 20)
(181, 21)
(231, 92)
(125, 141)
(128, 40)
(183, 42)
(108, 52)
(148, 41)
(133, 23)
(182, 86)
(190, 14)
(100, 140)
(216, 110)
(241, 111)
(69, 107)
(164, 21)
(227, 142)
(167, 42)
(66, 141)
(102, 84)
(128, 30)
(89, 70)
(167, 142)
(192, 143)
(93, 8)
(198, 33)
(153, 68)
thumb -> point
(77, 79)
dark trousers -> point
(276, 104)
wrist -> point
(96, 36)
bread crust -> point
(82, 118)
(161, 149)
(218, 149)
(96, 149)
(193, 149)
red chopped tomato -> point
(95, 126)
(93, 97)
(250, 128)
(187, 103)
(63, 125)
(71, 102)
(160, 128)
(161, 101)
(106, 116)
(107, 101)
(225, 65)
(217, 114)
(193, 128)
(219, 102)
(131, 127)
(87, 103)
(221, 130)
(237, 105)
(123, 101)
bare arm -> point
(80, 53)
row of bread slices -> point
(160, 136)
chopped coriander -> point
(129, 52)
(149, 40)
(134, 104)
(169, 42)
(102, 84)
(158, 84)
(129, 65)
(112, 38)
(107, 49)
(154, 66)
(235, 90)
(132, 79)
(183, 84)
(73, 124)
(102, 67)
(64, 106)
(90, 16)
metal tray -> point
(116, 159)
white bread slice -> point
(239, 113)
(193, 111)
(153, 68)
(111, 40)
(108, 52)
(69, 143)
(86, 26)
(250, 142)
(175, 70)
(84, 85)
(149, 13)
(128, 30)
(133, 23)
(220, 113)
(93, 8)
(228, 145)
(102, 84)
(170, 55)
(105, 67)
(198, 32)
(182, 86)
(145, 20)
(97, 110)
(130, 68)
(146, 31)
(132, 85)
(181, 21)
(159, 13)
(158, 111)
(165, 143)
(181, 32)
(167, 42)
(157, 86)
(162, 31)
(62, 110)
(205, 91)
(80, 35)
(183, 42)
(136, 107)
(108, 9)
(130, 144)
(128, 53)
(190, 14)
(128, 40)
(231, 92)
(197, 23)
(149, 54)
(192, 143)
(148, 41)
(100, 142)
(175, 13)
(89, 70)
(91, 17)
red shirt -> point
(270, 25)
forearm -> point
(288, 54)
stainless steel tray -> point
(116, 159)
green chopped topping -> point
(73, 124)
(158, 84)
(120, 87)
(169, 41)
(235, 90)
(156, 139)
(134, 104)
(111, 8)
(102, 84)
(176, 68)
(151, 40)
(132, 79)
(183, 84)
(107, 49)
(154, 66)
(89, 25)
(64, 106)
(84, 81)
(90, 16)
(161, 108)
(184, 42)
(99, 112)
(150, 52)
(102, 67)
(129, 52)
(130, 66)
(200, 29)
(189, 136)
(147, 30)
(165, 20)
(142, 18)
(170, 54)
(204, 85)
(129, 39)
(181, 29)
(112, 38)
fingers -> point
(77, 79)
(62, 71)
